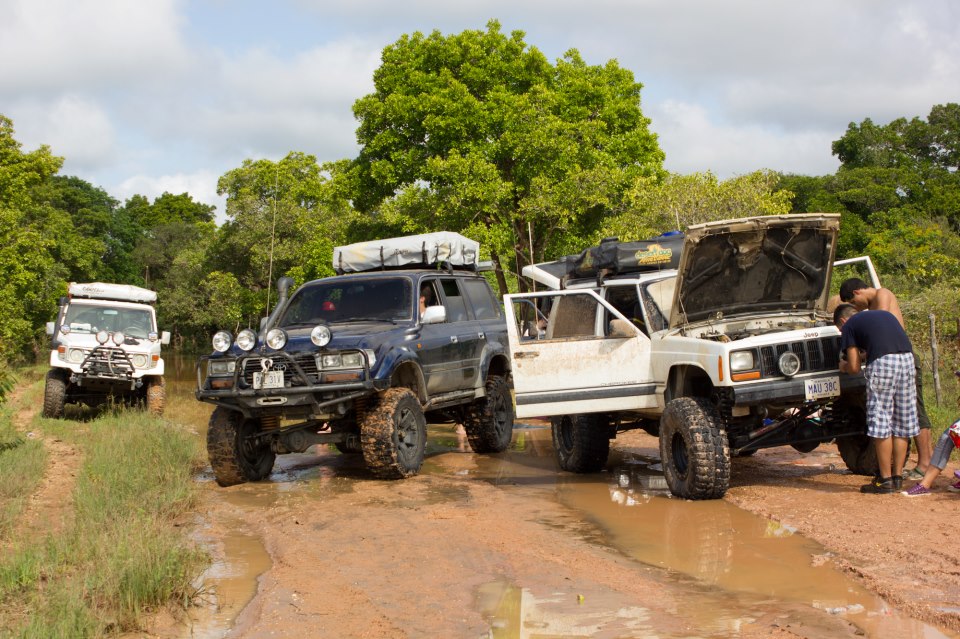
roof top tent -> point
(610, 257)
(116, 292)
(412, 251)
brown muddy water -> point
(731, 566)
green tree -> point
(283, 219)
(478, 132)
(682, 200)
(30, 276)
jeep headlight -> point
(742, 361)
(221, 367)
(221, 341)
(789, 364)
(139, 360)
(246, 340)
(276, 338)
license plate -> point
(822, 388)
(270, 379)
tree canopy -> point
(478, 132)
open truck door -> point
(573, 352)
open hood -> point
(755, 264)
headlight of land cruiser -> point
(742, 361)
(351, 359)
(76, 355)
(139, 360)
(221, 367)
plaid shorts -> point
(892, 396)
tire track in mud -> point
(50, 508)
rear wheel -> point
(54, 394)
(693, 449)
(489, 421)
(393, 435)
(858, 453)
(236, 455)
(581, 442)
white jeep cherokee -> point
(719, 339)
(104, 343)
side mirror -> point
(434, 315)
(165, 337)
(50, 327)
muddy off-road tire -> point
(156, 396)
(858, 453)
(393, 435)
(54, 394)
(489, 420)
(234, 457)
(581, 442)
(694, 450)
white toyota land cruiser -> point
(104, 343)
(719, 339)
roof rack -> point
(115, 292)
(440, 249)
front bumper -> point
(304, 387)
(790, 391)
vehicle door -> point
(438, 346)
(488, 325)
(466, 332)
(573, 359)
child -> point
(941, 454)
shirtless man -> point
(865, 297)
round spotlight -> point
(276, 338)
(103, 337)
(221, 341)
(119, 338)
(789, 364)
(320, 335)
(246, 339)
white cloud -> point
(693, 142)
(75, 128)
(201, 185)
(47, 46)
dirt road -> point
(507, 546)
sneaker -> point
(954, 487)
(916, 490)
(956, 474)
(880, 486)
(897, 483)
(913, 474)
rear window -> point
(481, 298)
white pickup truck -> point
(105, 343)
(719, 340)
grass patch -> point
(21, 469)
(123, 554)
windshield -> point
(330, 301)
(86, 318)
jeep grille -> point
(815, 355)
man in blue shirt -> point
(891, 389)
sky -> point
(153, 96)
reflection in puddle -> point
(515, 613)
(230, 584)
(738, 568)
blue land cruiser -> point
(408, 328)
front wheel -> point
(393, 435)
(489, 421)
(54, 394)
(693, 449)
(236, 454)
(156, 396)
(581, 442)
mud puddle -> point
(732, 568)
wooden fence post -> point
(936, 356)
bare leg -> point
(929, 476)
(923, 450)
(884, 446)
(899, 446)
